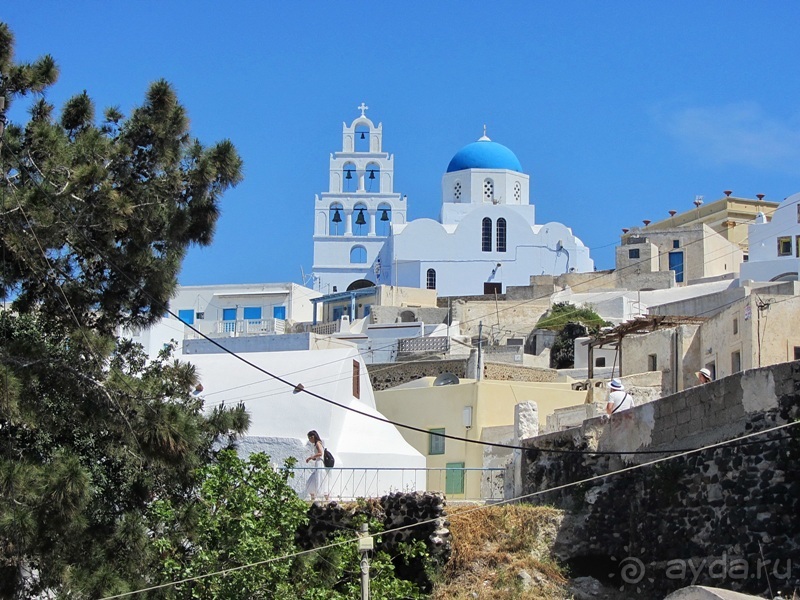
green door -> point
(454, 478)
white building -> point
(225, 311)
(218, 326)
(352, 220)
(486, 237)
(281, 416)
(775, 245)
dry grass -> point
(493, 545)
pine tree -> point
(96, 219)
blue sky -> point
(618, 111)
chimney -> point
(646, 222)
(728, 193)
(760, 196)
(672, 213)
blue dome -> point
(484, 154)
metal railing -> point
(345, 483)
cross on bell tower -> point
(363, 108)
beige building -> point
(362, 302)
(709, 241)
(754, 329)
(757, 331)
(476, 410)
(728, 216)
(688, 253)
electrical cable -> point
(299, 387)
(465, 512)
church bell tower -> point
(354, 218)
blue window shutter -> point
(252, 313)
(187, 316)
(278, 312)
(228, 314)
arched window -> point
(501, 235)
(383, 218)
(488, 190)
(360, 219)
(486, 235)
(372, 175)
(349, 178)
(430, 279)
(336, 219)
(358, 255)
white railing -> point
(350, 483)
(244, 327)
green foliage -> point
(570, 322)
(100, 216)
(244, 513)
(562, 313)
(96, 220)
(333, 573)
(89, 434)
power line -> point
(299, 387)
(469, 511)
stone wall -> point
(726, 516)
(392, 511)
(509, 372)
(388, 375)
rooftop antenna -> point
(306, 278)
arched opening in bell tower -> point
(384, 219)
(360, 219)
(349, 177)
(362, 138)
(336, 219)
(373, 177)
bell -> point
(385, 215)
(337, 218)
(362, 136)
(348, 176)
(372, 174)
(360, 219)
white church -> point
(486, 237)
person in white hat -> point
(618, 398)
(704, 376)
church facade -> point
(486, 237)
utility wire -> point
(300, 388)
(465, 512)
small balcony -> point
(237, 328)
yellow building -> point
(475, 410)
